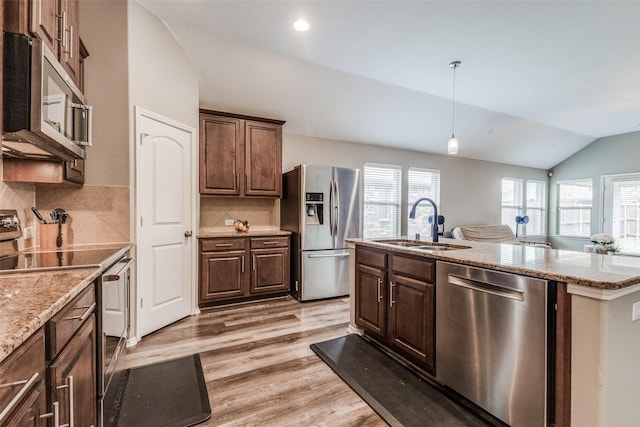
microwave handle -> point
(89, 110)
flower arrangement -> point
(604, 243)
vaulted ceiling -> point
(539, 80)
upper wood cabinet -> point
(55, 22)
(240, 155)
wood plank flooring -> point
(258, 365)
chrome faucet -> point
(434, 227)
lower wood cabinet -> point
(395, 302)
(242, 268)
(22, 384)
(41, 384)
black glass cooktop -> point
(52, 259)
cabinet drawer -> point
(419, 268)
(22, 371)
(63, 325)
(372, 258)
(269, 242)
(210, 245)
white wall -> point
(162, 78)
(605, 156)
(470, 190)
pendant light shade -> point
(453, 144)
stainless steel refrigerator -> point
(321, 207)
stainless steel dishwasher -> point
(492, 341)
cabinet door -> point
(29, 413)
(70, 39)
(222, 275)
(269, 270)
(221, 155)
(44, 22)
(263, 164)
(370, 299)
(73, 378)
(412, 317)
(74, 171)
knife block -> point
(49, 234)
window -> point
(512, 201)
(528, 198)
(574, 207)
(622, 211)
(535, 208)
(382, 192)
(422, 183)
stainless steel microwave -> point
(45, 115)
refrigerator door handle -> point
(330, 255)
(332, 218)
(336, 208)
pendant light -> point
(452, 145)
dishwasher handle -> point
(489, 288)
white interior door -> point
(164, 198)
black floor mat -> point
(171, 393)
(398, 395)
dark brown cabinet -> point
(222, 269)
(233, 269)
(71, 353)
(56, 380)
(22, 384)
(395, 302)
(240, 155)
(73, 378)
(269, 265)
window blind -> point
(574, 207)
(382, 192)
(422, 183)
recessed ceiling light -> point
(301, 25)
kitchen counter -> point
(209, 232)
(603, 273)
(604, 337)
(29, 300)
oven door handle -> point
(115, 277)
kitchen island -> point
(598, 342)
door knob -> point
(188, 233)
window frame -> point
(560, 208)
(397, 206)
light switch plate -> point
(28, 232)
(228, 222)
(635, 315)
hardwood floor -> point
(258, 365)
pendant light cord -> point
(453, 65)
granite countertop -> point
(208, 232)
(604, 272)
(29, 300)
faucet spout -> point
(434, 226)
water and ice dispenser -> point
(314, 208)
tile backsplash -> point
(260, 212)
(97, 214)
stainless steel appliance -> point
(45, 115)
(492, 341)
(112, 295)
(321, 207)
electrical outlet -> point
(228, 222)
(28, 232)
(635, 313)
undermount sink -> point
(423, 246)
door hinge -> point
(141, 221)
(141, 302)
